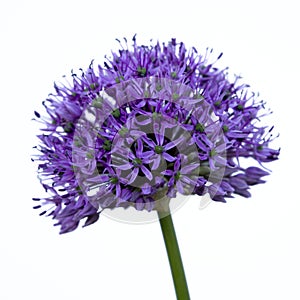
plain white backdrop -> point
(245, 249)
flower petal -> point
(168, 157)
(147, 173)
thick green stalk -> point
(173, 251)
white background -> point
(245, 249)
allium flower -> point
(151, 119)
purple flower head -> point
(151, 123)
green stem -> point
(173, 251)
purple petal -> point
(188, 180)
(147, 154)
(118, 190)
(238, 183)
(167, 172)
(237, 134)
(139, 149)
(177, 165)
(99, 179)
(180, 187)
(156, 162)
(168, 157)
(255, 172)
(146, 188)
(159, 134)
(148, 141)
(139, 204)
(133, 175)
(188, 169)
(245, 193)
(227, 187)
(220, 160)
(124, 167)
(147, 173)
(150, 203)
(91, 219)
(173, 143)
(131, 155)
(221, 148)
(200, 144)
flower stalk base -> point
(174, 256)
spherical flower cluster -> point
(153, 122)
